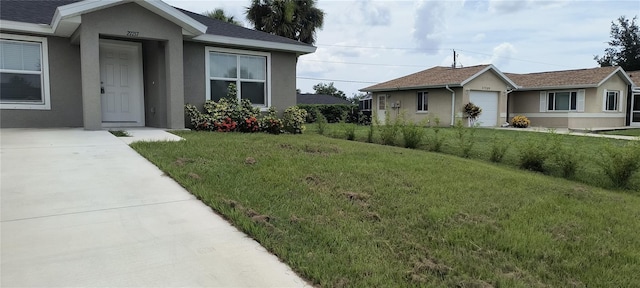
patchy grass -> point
(625, 132)
(588, 150)
(120, 133)
(350, 214)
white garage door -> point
(488, 101)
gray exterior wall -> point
(155, 94)
(283, 75)
(116, 22)
(65, 91)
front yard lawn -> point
(350, 214)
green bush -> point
(466, 138)
(389, 131)
(437, 141)
(412, 133)
(533, 155)
(322, 123)
(498, 149)
(620, 163)
(349, 131)
(334, 113)
(270, 123)
(293, 119)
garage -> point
(488, 101)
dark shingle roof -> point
(41, 12)
(31, 11)
(320, 99)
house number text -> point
(486, 88)
(132, 33)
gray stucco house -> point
(115, 63)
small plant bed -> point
(625, 132)
(365, 215)
(120, 133)
(583, 159)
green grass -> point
(120, 133)
(588, 150)
(626, 132)
(350, 214)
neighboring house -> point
(442, 92)
(96, 64)
(634, 112)
(309, 98)
(585, 98)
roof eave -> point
(557, 87)
(15, 26)
(253, 43)
(390, 89)
(498, 72)
(621, 72)
(65, 20)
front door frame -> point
(634, 94)
(137, 64)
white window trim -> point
(422, 94)
(207, 61)
(554, 95)
(619, 101)
(46, 104)
(380, 96)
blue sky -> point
(367, 41)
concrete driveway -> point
(81, 208)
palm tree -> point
(219, 14)
(295, 19)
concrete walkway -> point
(81, 208)
(570, 132)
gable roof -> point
(437, 77)
(580, 78)
(320, 99)
(634, 76)
(60, 17)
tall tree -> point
(295, 19)
(219, 14)
(329, 89)
(624, 46)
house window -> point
(423, 101)
(24, 81)
(611, 100)
(366, 105)
(248, 70)
(562, 101)
(382, 102)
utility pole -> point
(455, 64)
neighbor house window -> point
(248, 70)
(612, 98)
(423, 103)
(366, 105)
(562, 101)
(24, 82)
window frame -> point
(551, 101)
(425, 101)
(238, 79)
(44, 74)
(606, 101)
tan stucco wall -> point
(589, 123)
(489, 81)
(439, 101)
(615, 83)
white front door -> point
(121, 88)
(488, 101)
(635, 109)
(382, 108)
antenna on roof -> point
(455, 64)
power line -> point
(360, 63)
(380, 47)
(336, 80)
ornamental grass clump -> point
(437, 141)
(499, 148)
(389, 131)
(466, 138)
(412, 133)
(620, 163)
(321, 122)
(533, 155)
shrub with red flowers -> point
(227, 125)
(249, 125)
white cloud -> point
(374, 14)
(512, 6)
(430, 26)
